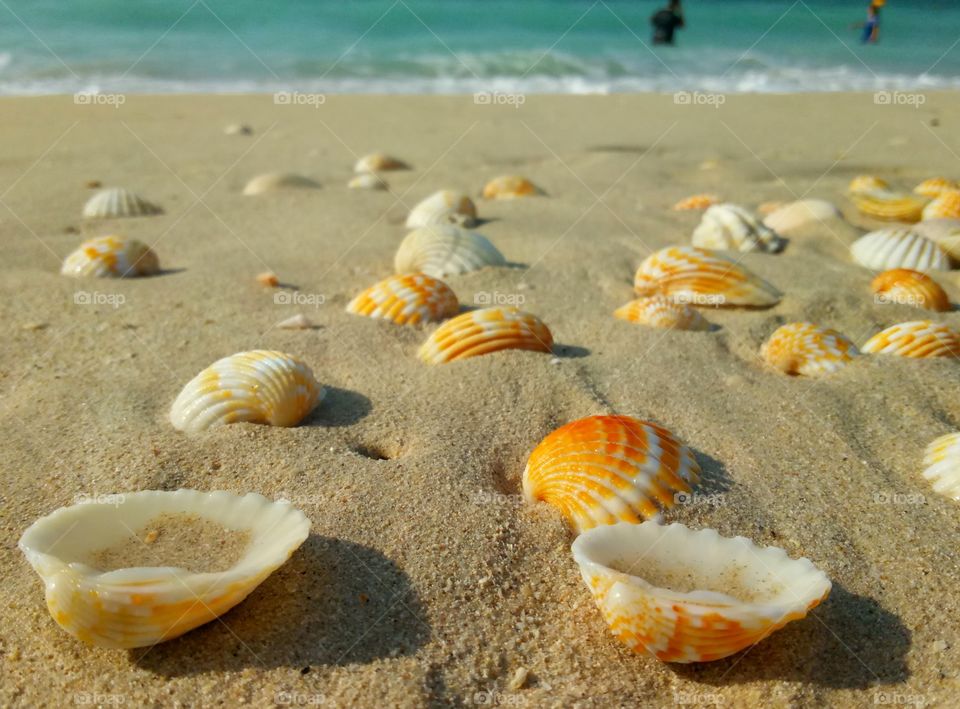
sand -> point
(425, 580)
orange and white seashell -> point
(660, 311)
(919, 338)
(483, 331)
(944, 232)
(867, 183)
(942, 465)
(730, 227)
(697, 202)
(799, 214)
(606, 469)
(510, 187)
(699, 277)
(277, 182)
(145, 605)
(443, 207)
(935, 186)
(890, 206)
(379, 162)
(407, 300)
(945, 206)
(259, 386)
(898, 248)
(268, 279)
(444, 250)
(767, 208)
(906, 287)
(368, 181)
(115, 202)
(693, 596)
(111, 256)
(807, 349)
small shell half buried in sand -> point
(729, 227)
(409, 299)
(807, 349)
(867, 183)
(935, 186)
(368, 181)
(148, 604)
(260, 386)
(696, 202)
(296, 322)
(890, 206)
(278, 181)
(602, 470)
(510, 187)
(799, 214)
(480, 332)
(906, 287)
(660, 311)
(700, 277)
(445, 250)
(942, 465)
(379, 162)
(111, 256)
(919, 339)
(946, 206)
(682, 595)
(115, 202)
(443, 207)
(898, 248)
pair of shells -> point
(898, 248)
(259, 386)
(801, 213)
(729, 227)
(510, 187)
(115, 202)
(918, 339)
(661, 312)
(808, 350)
(443, 207)
(443, 250)
(111, 256)
(941, 463)
(142, 606)
(700, 277)
(278, 182)
(483, 331)
(407, 299)
(907, 287)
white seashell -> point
(944, 232)
(445, 250)
(898, 248)
(443, 207)
(142, 606)
(109, 256)
(801, 213)
(942, 465)
(297, 322)
(368, 181)
(238, 129)
(275, 181)
(729, 227)
(117, 202)
(379, 162)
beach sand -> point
(425, 580)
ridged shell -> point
(277, 181)
(729, 227)
(379, 162)
(867, 183)
(919, 338)
(118, 202)
(807, 349)
(945, 233)
(445, 250)
(699, 277)
(510, 187)
(443, 207)
(946, 206)
(407, 300)
(368, 181)
(942, 465)
(935, 186)
(602, 470)
(890, 206)
(898, 248)
(693, 596)
(142, 606)
(111, 256)
(802, 213)
(906, 287)
(696, 202)
(259, 386)
(660, 311)
(483, 331)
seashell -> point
(729, 227)
(696, 202)
(141, 606)
(867, 183)
(444, 250)
(920, 338)
(115, 202)
(890, 206)
(942, 465)
(483, 331)
(659, 311)
(693, 596)
(799, 214)
(807, 349)
(944, 232)
(699, 277)
(945, 206)
(268, 279)
(443, 207)
(407, 300)
(602, 470)
(260, 386)
(238, 129)
(379, 162)
(368, 181)
(276, 181)
(106, 256)
(935, 186)
(510, 187)
(906, 287)
(767, 208)
(898, 248)
(296, 322)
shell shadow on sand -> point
(340, 407)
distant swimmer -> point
(871, 28)
(666, 21)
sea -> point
(466, 46)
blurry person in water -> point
(666, 21)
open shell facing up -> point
(141, 606)
(379, 162)
(906, 287)
(407, 300)
(730, 227)
(602, 470)
(890, 206)
(111, 256)
(510, 187)
(445, 250)
(443, 207)
(483, 331)
(807, 349)
(659, 311)
(898, 248)
(802, 213)
(682, 595)
(919, 339)
(941, 463)
(259, 386)
(276, 182)
(115, 202)
(944, 206)
(935, 186)
(696, 202)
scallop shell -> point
(801, 213)
(867, 183)
(942, 465)
(510, 187)
(445, 250)
(906, 287)
(659, 311)
(106, 256)
(483, 331)
(729, 227)
(142, 606)
(944, 232)
(935, 186)
(276, 181)
(898, 248)
(443, 207)
(368, 181)
(920, 338)
(379, 162)
(407, 300)
(946, 206)
(700, 277)
(602, 470)
(696, 202)
(118, 202)
(693, 596)
(260, 386)
(890, 206)
(807, 349)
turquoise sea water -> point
(458, 46)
